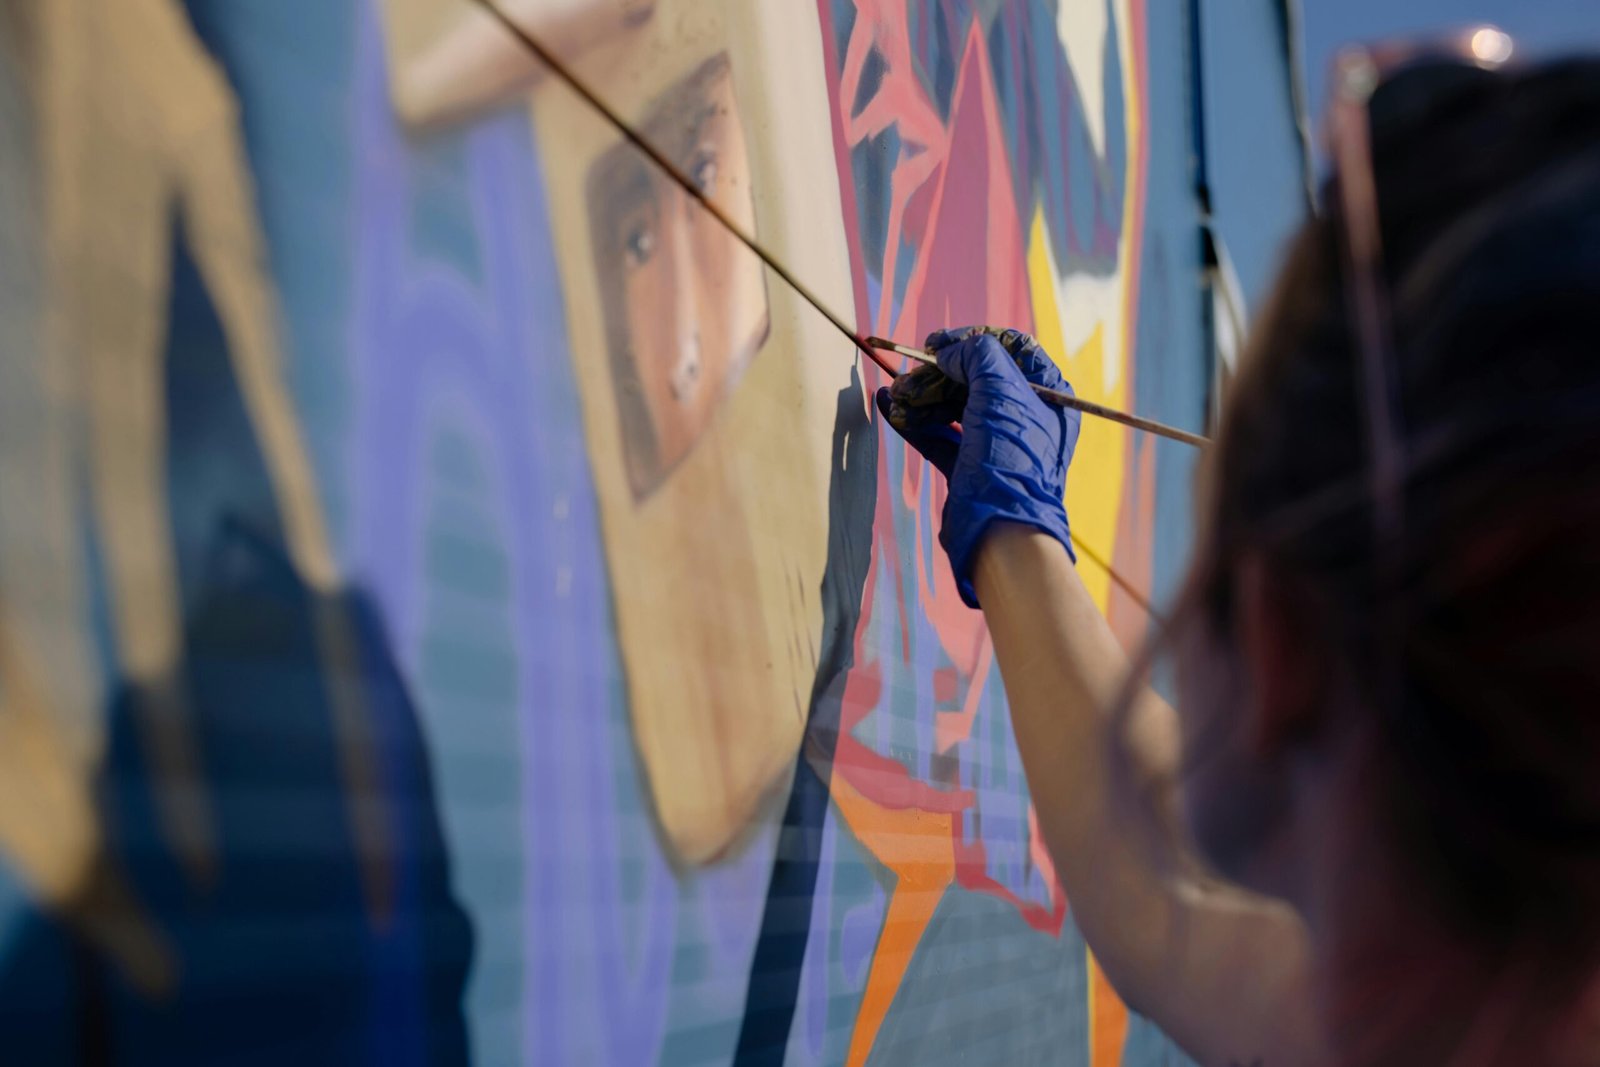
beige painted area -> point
(449, 57)
(138, 132)
(49, 831)
(715, 571)
(1085, 31)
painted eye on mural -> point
(639, 245)
(704, 172)
(685, 380)
(686, 311)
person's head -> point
(1441, 695)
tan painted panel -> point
(709, 389)
(715, 575)
(450, 58)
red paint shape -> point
(972, 873)
(952, 206)
(972, 261)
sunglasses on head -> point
(1374, 85)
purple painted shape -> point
(858, 936)
(844, 936)
(730, 899)
(811, 1007)
(596, 965)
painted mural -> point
(458, 606)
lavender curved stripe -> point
(595, 960)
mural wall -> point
(458, 606)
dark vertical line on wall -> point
(94, 1021)
(772, 992)
(1292, 26)
(1200, 172)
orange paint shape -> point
(1108, 1018)
(918, 847)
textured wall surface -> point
(456, 605)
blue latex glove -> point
(1008, 462)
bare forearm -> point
(1063, 671)
(1222, 971)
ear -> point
(1283, 657)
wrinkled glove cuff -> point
(961, 543)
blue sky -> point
(1257, 191)
(1539, 26)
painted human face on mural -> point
(691, 300)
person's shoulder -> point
(1241, 990)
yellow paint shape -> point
(1095, 480)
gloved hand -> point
(1008, 461)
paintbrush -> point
(867, 345)
(1066, 400)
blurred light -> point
(1358, 73)
(1491, 46)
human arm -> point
(1223, 972)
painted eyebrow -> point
(628, 186)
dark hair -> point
(1489, 193)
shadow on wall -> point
(774, 985)
(276, 959)
(239, 860)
